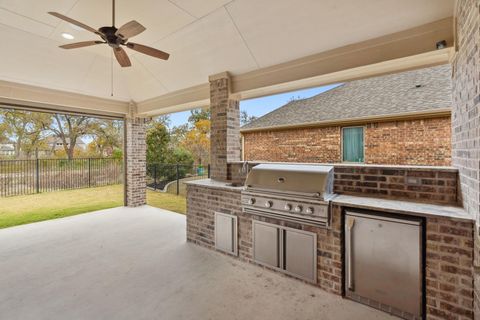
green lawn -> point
(51, 205)
(167, 201)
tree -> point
(107, 136)
(197, 141)
(69, 128)
(157, 143)
(25, 129)
(197, 115)
(178, 134)
(163, 119)
(3, 130)
(245, 118)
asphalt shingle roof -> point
(411, 91)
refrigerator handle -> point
(348, 239)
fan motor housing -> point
(108, 34)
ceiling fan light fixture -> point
(67, 36)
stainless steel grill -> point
(292, 192)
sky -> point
(260, 106)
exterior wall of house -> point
(466, 118)
(410, 142)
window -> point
(353, 144)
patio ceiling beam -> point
(397, 52)
(181, 100)
(50, 100)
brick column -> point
(135, 159)
(225, 126)
(466, 119)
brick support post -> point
(225, 126)
(135, 159)
(466, 119)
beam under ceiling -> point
(40, 98)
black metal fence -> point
(171, 177)
(19, 177)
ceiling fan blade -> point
(75, 22)
(80, 44)
(130, 29)
(122, 57)
(148, 50)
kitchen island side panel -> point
(449, 269)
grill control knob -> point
(251, 201)
(298, 209)
(288, 207)
(309, 210)
(268, 204)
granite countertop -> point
(209, 183)
(405, 207)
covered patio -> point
(134, 263)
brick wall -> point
(411, 142)
(466, 116)
(437, 186)
(225, 127)
(202, 202)
(136, 164)
(449, 269)
(294, 145)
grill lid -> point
(314, 180)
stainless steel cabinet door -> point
(226, 233)
(384, 260)
(266, 244)
(300, 254)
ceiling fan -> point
(115, 38)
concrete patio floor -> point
(134, 263)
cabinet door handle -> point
(348, 239)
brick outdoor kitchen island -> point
(448, 241)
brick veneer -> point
(466, 117)
(320, 144)
(202, 202)
(225, 126)
(409, 142)
(436, 186)
(449, 269)
(136, 164)
(449, 249)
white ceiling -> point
(204, 37)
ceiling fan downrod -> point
(113, 13)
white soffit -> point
(204, 37)
(280, 31)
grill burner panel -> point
(296, 193)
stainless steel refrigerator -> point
(383, 265)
